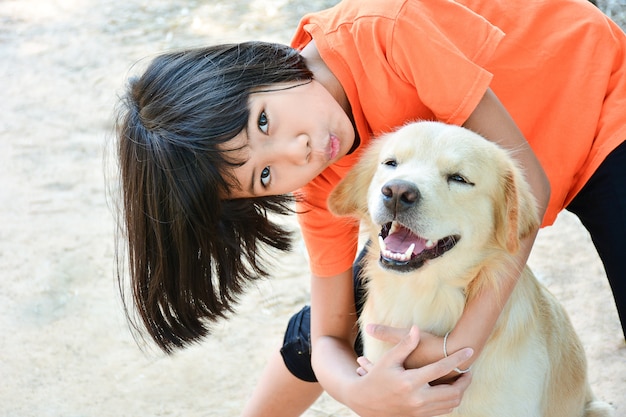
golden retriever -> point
(445, 210)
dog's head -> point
(429, 189)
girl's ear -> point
(349, 197)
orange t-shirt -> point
(558, 66)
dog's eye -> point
(458, 178)
(390, 162)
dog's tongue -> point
(400, 240)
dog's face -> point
(430, 190)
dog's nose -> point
(399, 195)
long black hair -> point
(189, 252)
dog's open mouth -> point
(402, 250)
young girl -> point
(213, 140)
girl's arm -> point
(387, 388)
(491, 120)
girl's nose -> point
(296, 150)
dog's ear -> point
(518, 217)
(349, 197)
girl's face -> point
(295, 131)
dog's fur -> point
(452, 188)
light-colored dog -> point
(446, 210)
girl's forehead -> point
(236, 152)
(237, 149)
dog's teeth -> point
(409, 251)
(430, 244)
(393, 255)
(381, 242)
(394, 227)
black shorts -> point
(601, 208)
(296, 349)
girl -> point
(213, 140)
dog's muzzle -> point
(400, 248)
(404, 251)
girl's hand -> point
(387, 388)
(430, 349)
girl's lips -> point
(333, 147)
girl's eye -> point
(265, 176)
(263, 123)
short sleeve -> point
(433, 50)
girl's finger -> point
(444, 366)
(397, 355)
(386, 333)
(365, 363)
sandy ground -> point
(65, 348)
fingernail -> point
(469, 352)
